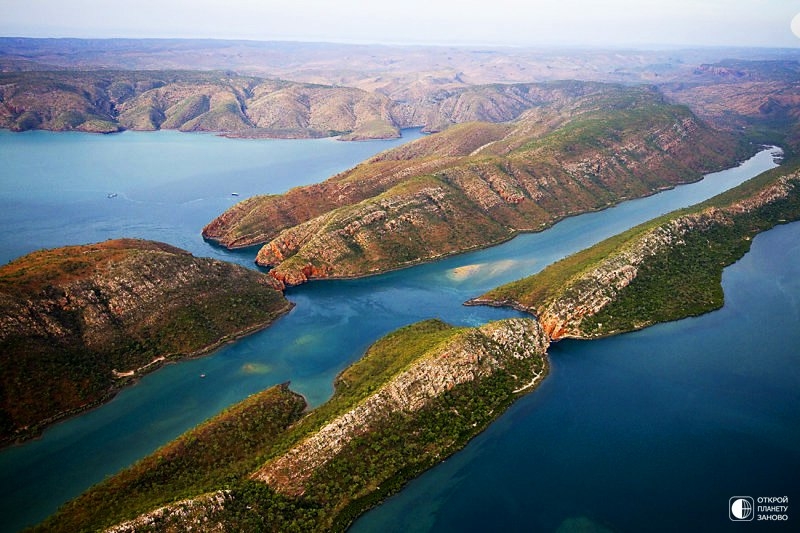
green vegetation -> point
(380, 463)
(606, 119)
(80, 322)
(685, 280)
(672, 281)
(383, 360)
(204, 459)
(219, 454)
(476, 184)
(527, 293)
(386, 358)
(681, 281)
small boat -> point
(202, 375)
(234, 194)
(111, 195)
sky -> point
(764, 23)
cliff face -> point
(477, 184)
(661, 271)
(466, 358)
(417, 396)
(589, 293)
(420, 219)
(191, 464)
(76, 322)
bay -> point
(54, 191)
(165, 185)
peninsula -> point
(511, 156)
(422, 392)
(666, 269)
(77, 323)
(578, 147)
(418, 395)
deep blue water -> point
(649, 431)
(53, 191)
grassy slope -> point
(179, 305)
(623, 144)
(679, 281)
(370, 468)
(200, 465)
(203, 459)
(377, 464)
(686, 280)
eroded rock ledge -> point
(466, 358)
(662, 270)
(76, 323)
(478, 184)
(194, 511)
(418, 395)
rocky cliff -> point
(465, 358)
(662, 270)
(416, 396)
(190, 465)
(77, 322)
(586, 147)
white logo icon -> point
(741, 508)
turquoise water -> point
(53, 191)
(649, 431)
(54, 187)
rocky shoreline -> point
(417, 396)
(476, 185)
(596, 289)
(76, 321)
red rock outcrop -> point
(467, 357)
(408, 205)
(563, 310)
(75, 320)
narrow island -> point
(418, 395)
(578, 147)
(78, 323)
(665, 269)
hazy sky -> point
(504, 22)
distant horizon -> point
(655, 47)
(613, 24)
